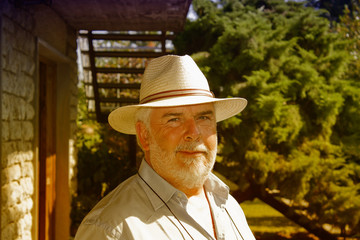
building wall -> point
(28, 33)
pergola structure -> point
(124, 15)
(102, 24)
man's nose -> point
(192, 131)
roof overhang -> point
(123, 15)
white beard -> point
(188, 172)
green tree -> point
(296, 146)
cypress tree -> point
(296, 145)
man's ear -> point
(143, 135)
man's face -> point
(183, 143)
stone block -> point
(25, 150)
(24, 225)
(5, 106)
(14, 213)
(28, 65)
(20, 89)
(22, 109)
(9, 231)
(6, 216)
(8, 39)
(29, 112)
(18, 108)
(8, 82)
(13, 108)
(16, 153)
(5, 131)
(13, 158)
(26, 154)
(28, 204)
(27, 130)
(27, 186)
(27, 169)
(11, 173)
(11, 194)
(10, 62)
(26, 236)
(15, 130)
(29, 88)
(7, 151)
(18, 84)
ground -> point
(268, 224)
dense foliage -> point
(297, 144)
(103, 162)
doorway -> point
(47, 149)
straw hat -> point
(173, 81)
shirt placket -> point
(184, 216)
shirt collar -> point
(215, 185)
(217, 188)
(157, 184)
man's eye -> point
(204, 118)
(174, 120)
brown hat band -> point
(177, 93)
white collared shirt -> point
(133, 211)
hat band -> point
(177, 93)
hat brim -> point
(122, 119)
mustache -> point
(192, 146)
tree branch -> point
(289, 212)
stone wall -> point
(19, 31)
(17, 125)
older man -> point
(174, 195)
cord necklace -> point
(167, 206)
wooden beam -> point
(120, 85)
(124, 54)
(118, 70)
(119, 100)
(130, 37)
(94, 76)
(163, 42)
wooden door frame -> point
(47, 150)
(65, 68)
